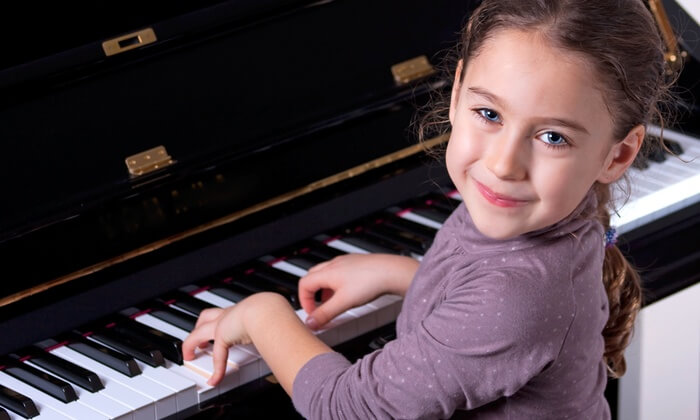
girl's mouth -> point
(496, 199)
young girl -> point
(523, 305)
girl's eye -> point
(489, 115)
(552, 138)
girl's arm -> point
(270, 323)
(353, 280)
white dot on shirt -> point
(481, 314)
(425, 300)
(498, 313)
(503, 259)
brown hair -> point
(619, 38)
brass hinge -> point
(413, 69)
(129, 41)
(148, 161)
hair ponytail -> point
(623, 287)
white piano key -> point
(290, 268)
(142, 406)
(387, 308)
(409, 215)
(203, 389)
(96, 400)
(366, 318)
(238, 360)
(73, 409)
(344, 246)
(165, 398)
(183, 389)
(213, 299)
(341, 328)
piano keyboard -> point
(662, 188)
(129, 365)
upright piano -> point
(164, 157)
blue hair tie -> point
(610, 237)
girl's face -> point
(530, 135)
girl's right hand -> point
(352, 280)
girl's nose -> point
(507, 158)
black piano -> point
(163, 157)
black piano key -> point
(255, 283)
(228, 294)
(673, 146)
(440, 202)
(251, 283)
(305, 262)
(186, 302)
(18, 403)
(57, 388)
(656, 153)
(423, 232)
(118, 361)
(177, 318)
(63, 368)
(132, 346)
(402, 239)
(277, 276)
(431, 213)
(3, 414)
(372, 245)
(169, 346)
(319, 249)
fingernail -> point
(311, 323)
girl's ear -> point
(622, 155)
(454, 99)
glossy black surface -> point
(36, 378)
(17, 402)
(63, 368)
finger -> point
(220, 355)
(319, 266)
(198, 337)
(308, 286)
(208, 315)
(326, 311)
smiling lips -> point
(498, 199)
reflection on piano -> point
(109, 270)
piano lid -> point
(250, 100)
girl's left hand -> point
(225, 327)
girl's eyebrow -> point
(487, 95)
(551, 120)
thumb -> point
(326, 312)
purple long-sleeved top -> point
(503, 329)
